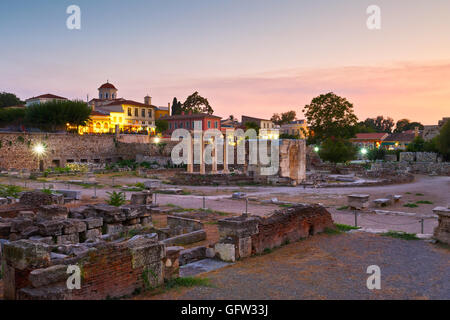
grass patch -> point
(345, 227)
(407, 192)
(187, 282)
(342, 208)
(424, 202)
(332, 231)
(410, 205)
(400, 235)
(419, 194)
(285, 205)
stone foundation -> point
(245, 236)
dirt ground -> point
(330, 267)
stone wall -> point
(109, 270)
(16, 149)
(244, 236)
(437, 168)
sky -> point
(248, 57)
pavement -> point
(331, 267)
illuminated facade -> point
(110, 113)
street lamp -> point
(39, 149)
(316, 149)
(363, 151)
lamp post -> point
(39, 149)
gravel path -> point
(332, 267)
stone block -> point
(47, 276)
(141, 198)
(110, 214)
(146, 222)
(225, 251)
(68, 239)
(24, 254)
(19, 225)
(407, 156)
(358, 201)
(114, 229)
(239, 227)
(187, 238)
(5, 229)
(442, 231)
(51, 228)
(192, 254)
(245, 247)
(52, 212)
(92, 223)
(91, 234)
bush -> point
(337, 150)
(10, 191)
(116, 198)
(376, 154)
(443, 141)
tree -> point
(337, 150)
(329, 115)
(405, 125)
(161, 126)
(54, 115)
(176, 106)
(252, 125)
(443, 141)
(378, 124)
(284, 118)
(195, 103)
(417, 145)
(9, 100)
(13, 116)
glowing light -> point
(157, 140)
(364, 151)
(39, 149)
(316, 149)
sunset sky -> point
(252, 57)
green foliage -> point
(9, 100)
(329, 115)
(405, 125)
(13, 116)
(345, 227)
(424, 202)
(342, 208)
(376, 154)
(443, 141)
(54, 115)
(284, 118)
(197, 104)
(47, 191)
(410, 205)
(177, 107)
(252, 125)
(337, 150)
(161, 126)
(288, 136)
(378, 124)
(187, 282)
(400, 235)
(10, 191)
(116, 198)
